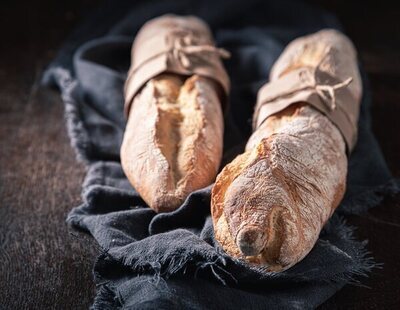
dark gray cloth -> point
(171, 260)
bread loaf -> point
(174, 95)
(173, 139)
(270, 203)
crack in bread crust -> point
(173, 140)
(281, 191)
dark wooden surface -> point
(42, 264)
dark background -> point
(42, 264)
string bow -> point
(182, 45)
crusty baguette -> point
(173, 139)
(270, 203)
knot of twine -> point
(183, 46)
(329, 101)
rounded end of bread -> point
(250, 241)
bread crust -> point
(270, 203)
(173, 139)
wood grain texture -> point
(43, 265)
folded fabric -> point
(171, 260)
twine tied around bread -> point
(330, 101)
(180, 45)
(303, 79)
(183, 47)
(322, 89)
(316, 85)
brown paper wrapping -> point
(182, 45)
(332, 86)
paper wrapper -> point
(333, 86)
(174, 44)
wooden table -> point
(42, 264)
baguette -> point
(271, 202)
(175, 92)
(173, 139)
